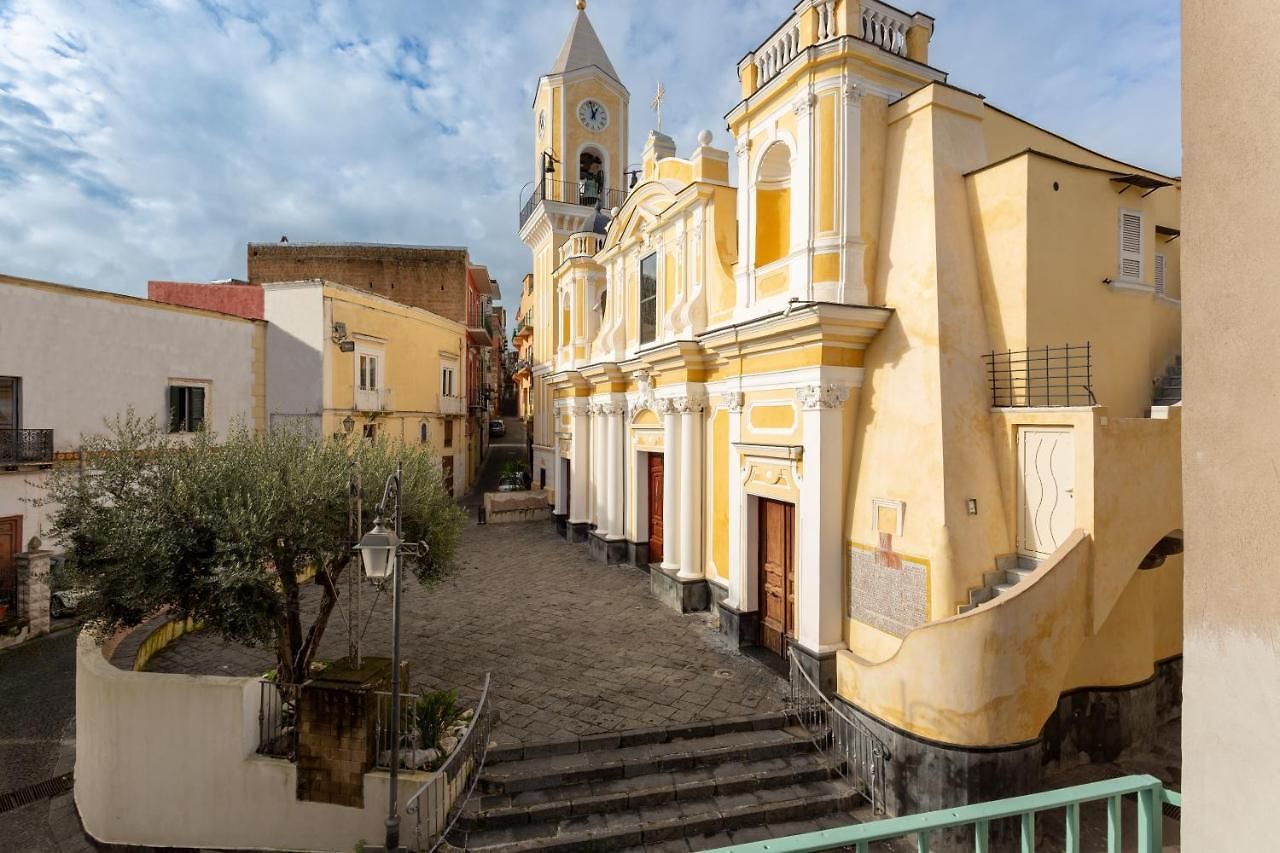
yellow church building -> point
(899, 402)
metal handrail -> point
(26, 446)
(860, 754)
(467, 761)
(571, 192)
(1149, 791)
(1042, 377)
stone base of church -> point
(680, 594)
(740, 627)
(577, 531)
(1092, 725)
(562, 524)
(638, 554)
(820, 667)
(606, 550)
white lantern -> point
(378, 551)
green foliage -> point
(221, 529)
(436, 711)
(511, 468)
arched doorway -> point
(591, 176)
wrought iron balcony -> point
(1042, 377)
(26, 446)
(571, 192)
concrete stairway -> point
(1168, 390)
(640, 788)
(1011, 569)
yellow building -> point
(896, 406)
(522, 342)
(340, 360)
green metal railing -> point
(1150, 793)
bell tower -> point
(580, 123)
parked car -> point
(512, 484)
(497, 428)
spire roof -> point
(582, 49)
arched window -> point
(773, 205)
(590, 176)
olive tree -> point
(224, 529)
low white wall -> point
(170, 760)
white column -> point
(692, 473)
(613, 465)
(820, 520)
(802, 196)
(854, 278)
(597, 468)
(557, 469)
(746, 245)
(739, 596)
(580, 465)
(670, 485)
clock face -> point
(593, 115)
(542, 123)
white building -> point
(73, 359)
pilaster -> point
(853, 249)
(738, 598)
(819, 522)
(670, 484)
(580, 464)
(691, 477)
(802, 196)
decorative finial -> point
(582, 5)
(704, 138)
(656, 106)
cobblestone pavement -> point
(575, 647)
(38, 681)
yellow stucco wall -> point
(773, 225)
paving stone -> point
(575, 648)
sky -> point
(153, 139)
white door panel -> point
(1046, 487)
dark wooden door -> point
(777, 579)
(655, 507)
(10, 544)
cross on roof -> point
(656, 106)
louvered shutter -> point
(1160, 274)
(1131, 245)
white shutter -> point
(1160, 274)
(1131, 245)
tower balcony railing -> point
(26, 446)
(583, 193)
(581, 245)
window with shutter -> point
(186, 408)
(1159, 274)
(1131, 245)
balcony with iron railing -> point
(1045, 377)
(26, 447)
(583, 193)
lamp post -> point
(381, 552)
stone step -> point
(554, 771)
(1002, 588)
(519, 750)
(672, 821)
(1016, 576)
(497, 811)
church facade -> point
(900, 401)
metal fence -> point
(850, 747)
(278, 720)
(571, 192)
(1045, 376)
(26, 446)
(448, 791)
(407, 729)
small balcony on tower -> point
(584, 193)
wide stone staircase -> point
(1011, 570)
(1168, 388)
(705, 784)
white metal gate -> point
(1046, 489)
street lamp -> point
(381, 553)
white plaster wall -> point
(169, 760)
(84, 358)
(296, 334)
(17, 490)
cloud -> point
(155, 138)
